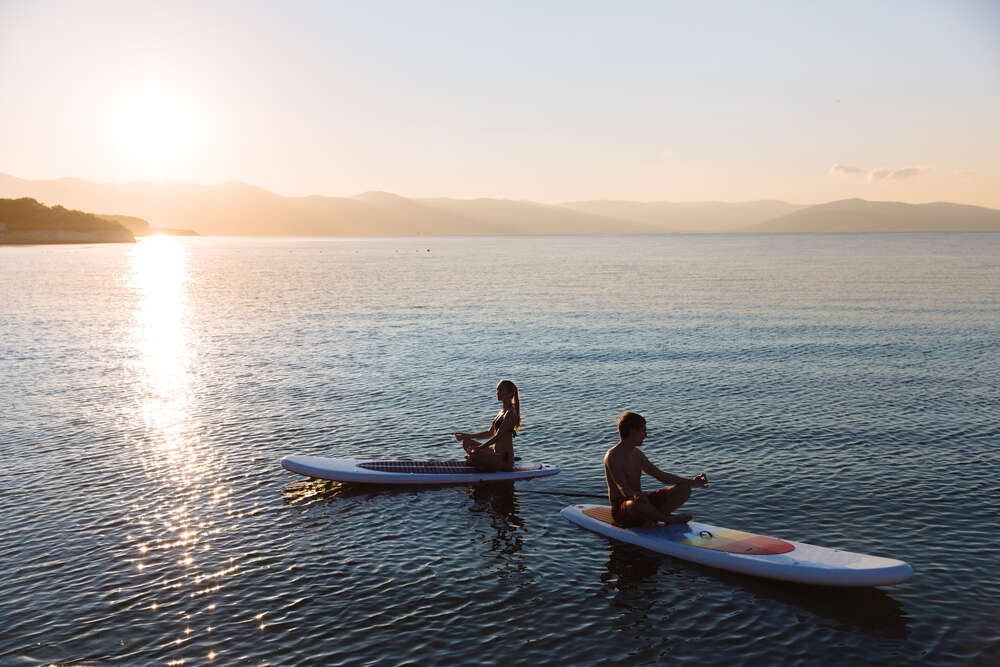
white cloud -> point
(879, 174)
(903, 173)
(845, 170)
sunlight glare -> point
(159, 275)
(155, 130)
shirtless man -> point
(624, 465)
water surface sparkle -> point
(837, 389)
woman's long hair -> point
(515, 402)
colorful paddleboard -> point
(748, 553)
(407, 472)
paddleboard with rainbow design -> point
(748, 553)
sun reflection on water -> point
(176, 513)
(159, 274)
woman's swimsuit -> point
(495, 427)
(498, 422)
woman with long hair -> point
(497, 453)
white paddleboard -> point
(748, 553)
(407, 472)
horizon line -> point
(168, 182)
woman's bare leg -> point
(486, 460)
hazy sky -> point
(549, 101)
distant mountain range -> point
(238, 208)
(859, 215)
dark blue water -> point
(837, 389)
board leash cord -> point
(566, 493)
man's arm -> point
(667, 478)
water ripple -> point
(837, 389)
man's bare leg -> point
(646, 512)
(667, 505)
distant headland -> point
(240, 209)
(140, 227)
(25, 221)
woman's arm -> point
(476, 446)
(459, 435)
(506, 426)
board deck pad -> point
(433, 467)
(727, 540)
(384, 471)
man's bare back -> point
(623, 468)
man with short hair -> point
(623, 466)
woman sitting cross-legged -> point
(497, 453)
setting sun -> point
(155, 130)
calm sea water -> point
(837, 389)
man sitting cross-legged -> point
(623, 466)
